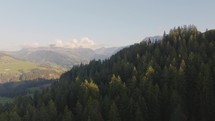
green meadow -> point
(9, 65)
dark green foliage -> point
(13, 89)
(169, 80)
(114, 113)
(68, 116)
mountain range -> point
(63, 57)
(52, 61)
(46, 62)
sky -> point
(96, 23)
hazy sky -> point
(94, 23)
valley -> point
(11, 90)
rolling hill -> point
(46, 62)
(63, 57)
(13, 69)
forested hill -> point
(169, 80)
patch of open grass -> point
(12, 69)
(9, 65)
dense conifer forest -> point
(168, 80)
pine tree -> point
(138, 114)
(114, 113)
(67, 116)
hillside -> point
(12, 69)
(169, 80)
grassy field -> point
(13, 70)
(9, 65)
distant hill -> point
(13, 69)
(46, 62)
(63, 57)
